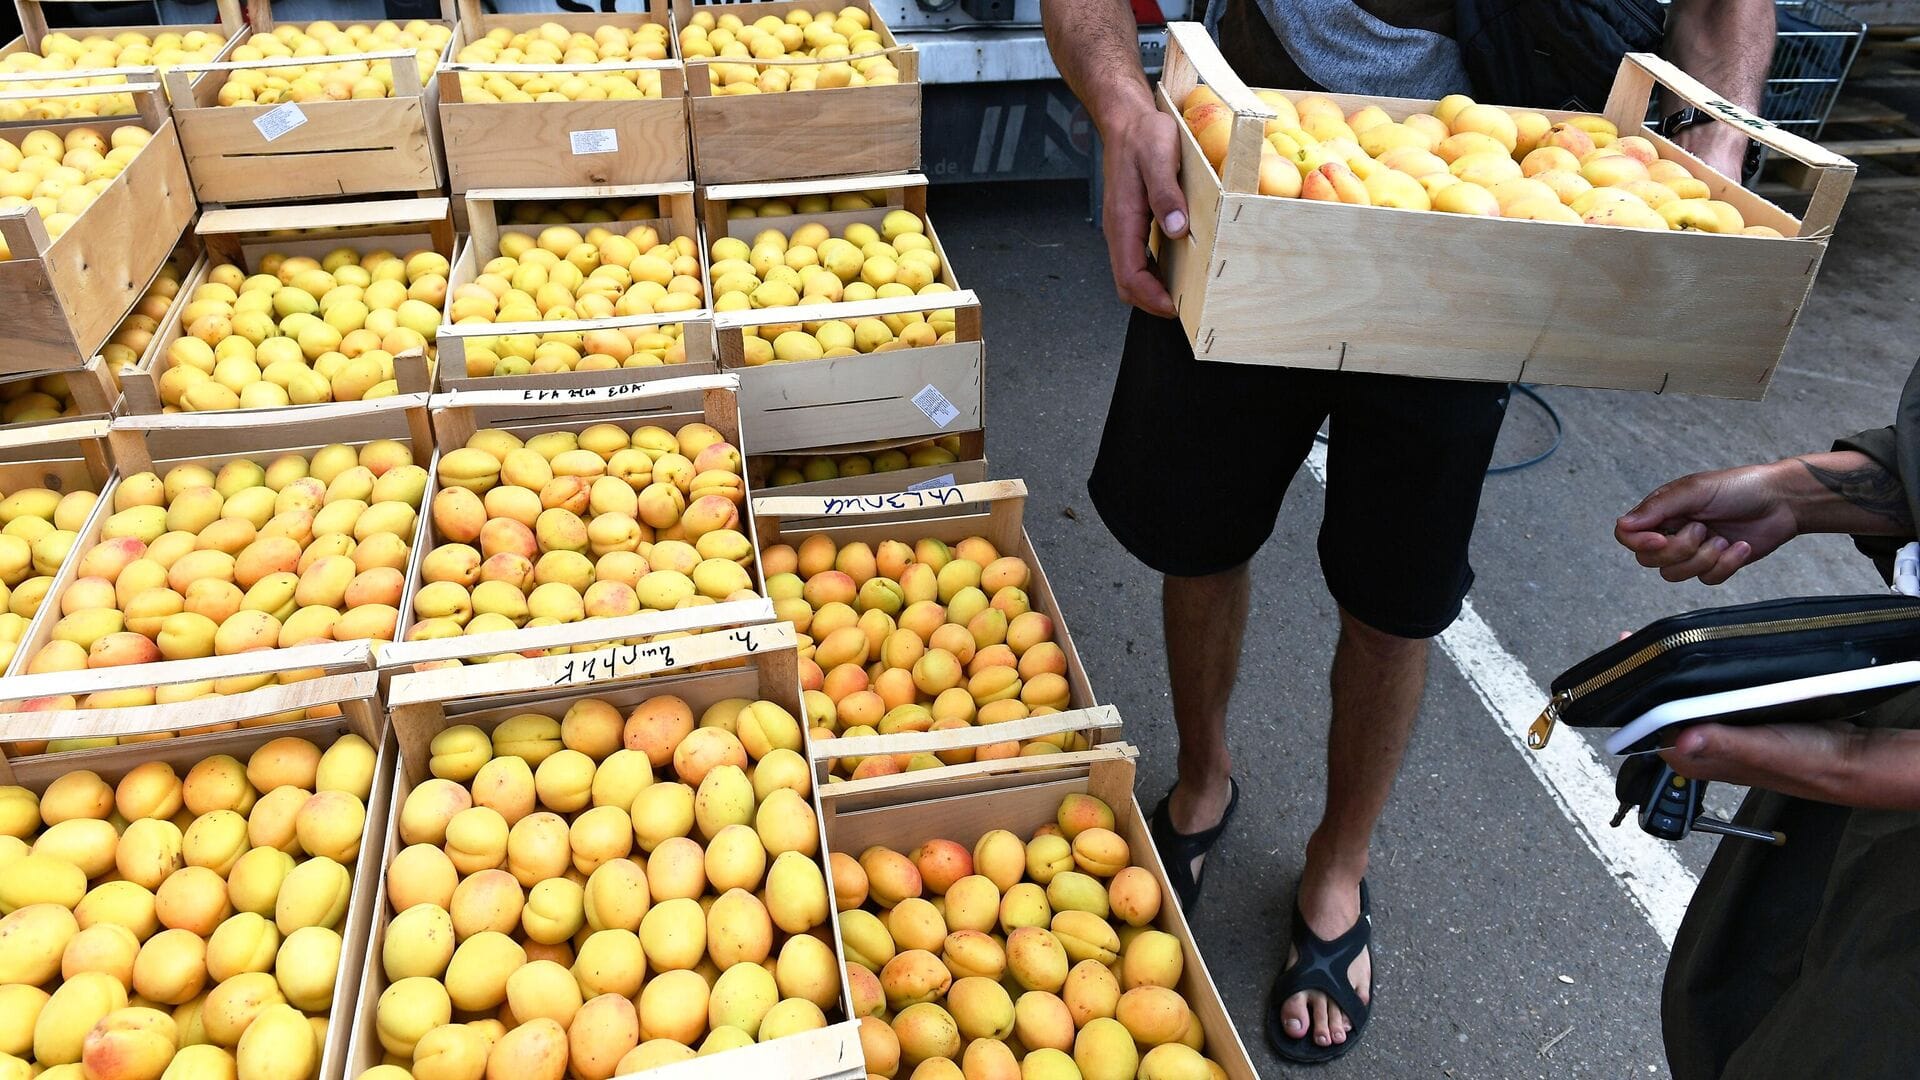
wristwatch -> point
(1676, 122)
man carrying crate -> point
(1406, 456)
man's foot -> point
(1195, 809)
(1331, 908)
(1184, 849)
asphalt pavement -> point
(1505, 946)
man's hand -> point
(1142, 165)
(1709, 525)
(1095, 43)
(1728, 45)
(1722, 146)
(1835, 763)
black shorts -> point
(1405, 461)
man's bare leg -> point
(1377, 683)
(1204, 619)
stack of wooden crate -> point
(274, 553)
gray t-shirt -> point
(1392, 48)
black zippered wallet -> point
(1732, 648)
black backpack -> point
(1553, 54)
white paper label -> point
(936, 482)
(595, 141)
(277, 121)
(936, 406)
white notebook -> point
(1728, 703)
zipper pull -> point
(1543, 726)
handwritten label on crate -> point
(627, 661)
(594, 141)
(943, 480)
(936, 406)
(279, 120)
(915, 498)
(589, 393)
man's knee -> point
(1378, 642)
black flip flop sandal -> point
(1178, 849)
(1321, 965)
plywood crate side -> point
(242, 237)
(351, 696)
(359, 715)
(768, 674)
(676, 218)
(529, 144)
(863, 397)
(1511, 301)
(68, 294)
(149, 443)
(964, 808)
(341, 148)
(802, 133)
(41, 440)
(1075, 731)
(756, 662)
(668, 403)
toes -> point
(1293, 1016)
(1317, 1005)
(1293, 1011)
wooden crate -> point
(157, 443)
(34, 28)
(338, 148)
(359, 714)
(971, 468)
(994, 510)
(669, 403)
(676, 218)
(964, 806)
(501, 144)
(1450, 296)
(241, 237)
(759, 663)
(66, 296)
(803, 133)
(855, 399)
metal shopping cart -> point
(1816, 46)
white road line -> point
(1573, 773)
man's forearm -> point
(1726, 44)
(1097, 48)
(1844, 491)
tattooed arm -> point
(1858, 496)
(1709, 525)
